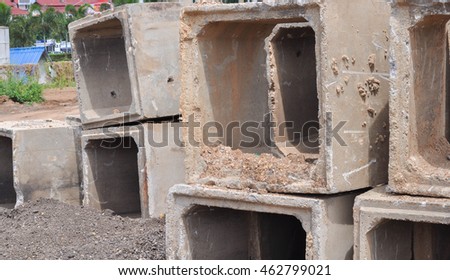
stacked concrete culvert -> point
(412, 219)
(39, 159)
(289, 110)
(316, 96)
(127, 74)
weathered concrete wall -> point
(267, 65)
(213, 223)
(389, 227)
(39, 159)
(128, 170)
(419, 110)
(126, 62)
(4, 45)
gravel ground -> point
(48, 229)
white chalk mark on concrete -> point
(380, 74)
(354, 132)
(348, 174)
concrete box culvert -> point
(420, 98)
(126, 64)
(400, 227)
(130, 169)
(212, 223)
(39, 159)
(278, 86)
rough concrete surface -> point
(392, 227)
(130, 169)
(39, 159)
(420, 98)
(47, 229)
(289, 63)
(126, 63)
(216, 223)
(285, 122)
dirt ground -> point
(47, 229)
(58, 104)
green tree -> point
(74, 13)
(48, 21)
(34, 10)
(47, 24)
(5, 14)
(59, 31)
(104, 7)
(70, 10)
(34, 19)
(20, 33)
(123, 2)
(41, 24)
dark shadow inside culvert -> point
(297, 102)
(406, 240)
(7, 192)
(282, 237)
(102, 56)
(115, 174)
(227, 234)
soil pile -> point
(48, 229)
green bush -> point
(22, 91)
(55, 57)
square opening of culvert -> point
(294, 79)
(406, 240)
(114, 175)
(7, 191)
(227, 234)
(104, 78)
(236, 52)
(431, 88)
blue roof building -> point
(31, 55)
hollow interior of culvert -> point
(114, 175)
(7, 191)
(227, 234)
(407, 240)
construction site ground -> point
(58, 103)
(48, 229)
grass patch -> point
(21, 90)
